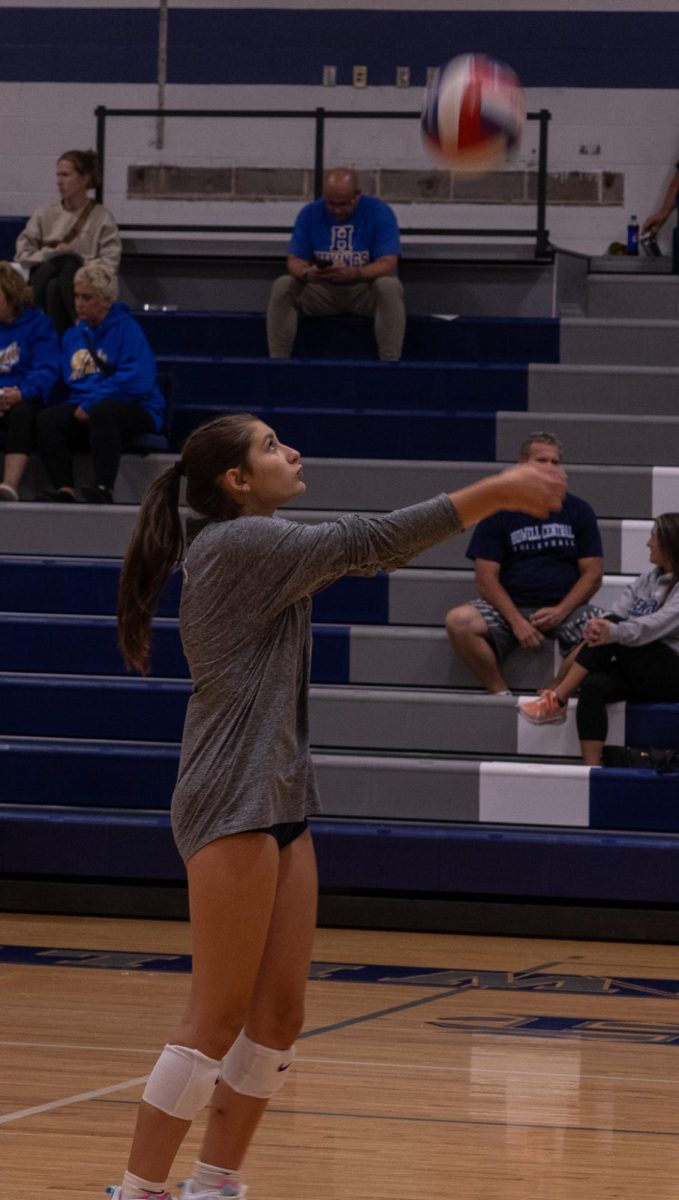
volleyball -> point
(473, 113)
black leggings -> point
(110, 423)
(644, 673)
(52, 284)
(18, 425)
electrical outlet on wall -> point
(403, 77)
(360, 77)
(329, 76)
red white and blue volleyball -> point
(473, 114)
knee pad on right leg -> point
(182, 1082)
(255, 1070)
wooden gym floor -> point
(438, 1066)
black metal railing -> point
(320, 117)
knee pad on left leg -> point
(255, 1070)
(182, 1082)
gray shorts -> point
(568, 634)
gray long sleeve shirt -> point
(649, 608)
(245, 626)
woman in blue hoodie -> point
(29, 370)
(110, 374)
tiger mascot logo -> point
(82, 363)
(9, 357)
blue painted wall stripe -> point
(254, 46)
(80, 45)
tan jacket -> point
(98, 241)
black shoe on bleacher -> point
(97, 494)
(57, 496)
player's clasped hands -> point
(528, 637)
(548, 617)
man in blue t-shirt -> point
(342, 258)
(534, 578)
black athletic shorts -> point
(286, 833)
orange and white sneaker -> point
(546, 709)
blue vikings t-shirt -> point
(370, 232)
(539, 559)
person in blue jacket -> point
(109, 372)
(29, 370)
(342, 258)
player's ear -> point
(234, 482)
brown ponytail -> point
(157, 545)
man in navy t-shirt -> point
(534, 578)
(342, 258)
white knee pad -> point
(255, 1070)
(182, 1082)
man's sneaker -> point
(547, 709)
(232, 1190)
(96, 493)
(114, 1193)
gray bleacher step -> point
(92, 531)
(384, 719)
(382, 485)
(469, 725)
(371, 485)
(422, 596)
(392, 656)
(388, 787)
(422, 787)
(419, 787)
(598, 438)
(409, 656)
(625, 295)
(553, 387)
(637, 341)
(83, 530)
(135, 475)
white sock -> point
(207, 1176)
(135, 1188)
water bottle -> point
(633, 235)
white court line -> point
(82, 1046)
(40, 1108)
(346, 1062)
